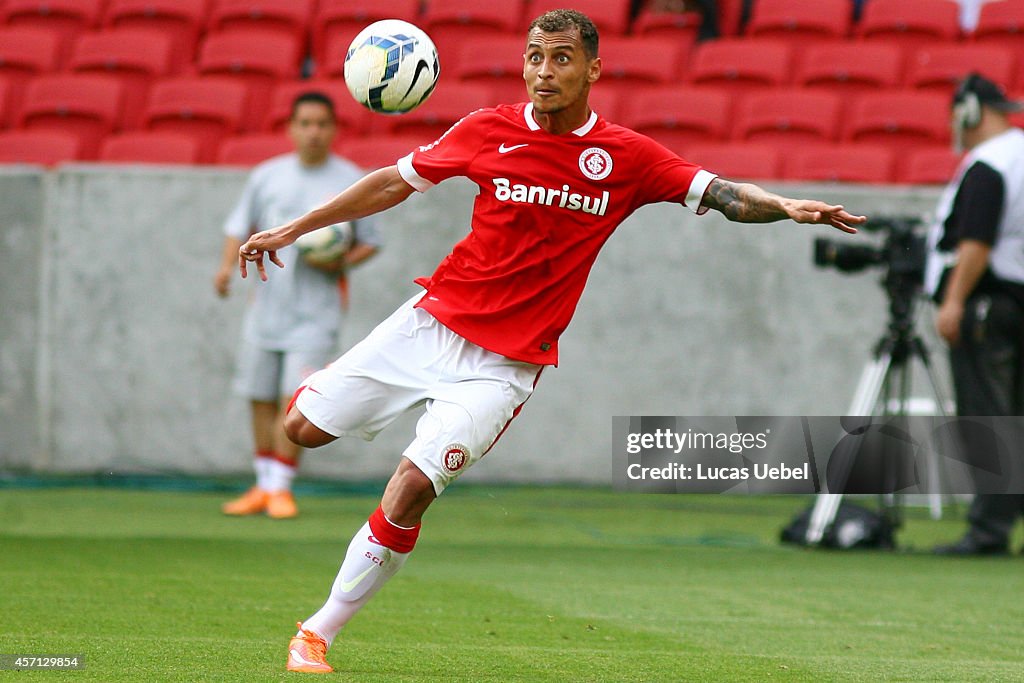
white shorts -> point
(471, 394)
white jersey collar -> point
(532, 124)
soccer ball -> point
(325, 246)
(391, 67)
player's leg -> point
(257, 378)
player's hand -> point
(820, 213)
(266, 242)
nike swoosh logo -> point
(347, 586)
(300, 659)
(420, 66)
(502, 149)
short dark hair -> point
(566, 20)
(314, 96)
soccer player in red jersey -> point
(555, 181)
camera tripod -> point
(885, 385)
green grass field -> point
(507, 584)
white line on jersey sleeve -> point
(698, 186)
(409, 174)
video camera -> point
(903, 251)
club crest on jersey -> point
(454, 457)
(595, 163)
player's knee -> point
(302, 432)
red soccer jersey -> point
(546, 206)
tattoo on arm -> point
(743, 202)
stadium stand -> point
(45, 147)
(1002, 23)
(182, 20)
(800, 23)
(85, 105)
(741, 64)
(67, 18)
(207, 109)
(450, 22)
(374, 153)
(249, 150)
(642, 61)
(927, 166)
(496, 62)
(604, 101)
(850, 68)
(679, 117)
(678, 26)
(337, 22)
(257, 58)
(147, 147)
(6, 102)
(940, 67)
(840, 163)
(900, 119)
(611, 17)
(788, 116)
(291, 18)
(910, 22)
(352, 117)
(25, 53)
(449, 103)
(135, 57)
(738, 160)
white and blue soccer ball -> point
(324, 246)
(391, 67)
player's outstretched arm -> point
(748, 203)
(372, 194)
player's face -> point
(312, 129)
(557, 71)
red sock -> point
(390, 535)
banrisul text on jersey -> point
(565, 198)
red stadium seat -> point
(741, 64)
(182, 20)
(6, 102)
(134, 56)
(67, 17)
(147, 147)
(45, 147)
(928, 166)
(256, 58)
(208, 109)
(900, 119)
(682, 27)
(292, 18)
(642, 61)
(376, 152)
(850, 68)
(451, 22)
(840, 163)
(738, 160)
(86, 105)
(605, 101)
(910, 22)
(792, 116)
(249, 150)
(495, 61)
(678, 117)
(941, 67)
(337, 22)
(352, 117)
(611, 17)
(1002, 23)
(25, 53)
(799, 22)
(449, 103)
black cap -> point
(988, 93)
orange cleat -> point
(252, 502)
(281, 505)
(307, 653)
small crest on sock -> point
(454, 457)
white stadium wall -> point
(116, 355)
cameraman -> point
(976, 273)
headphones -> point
(967, 107)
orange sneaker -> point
(251, 502)
(281, 505)
(308, 653)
